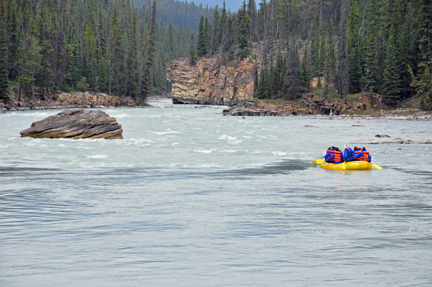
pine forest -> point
(118, 47)
(121, 47)
(351, 46)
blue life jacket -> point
(329, 155)
(348, 154)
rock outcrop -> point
(426, 141)
(209, 83)
(307, 105)
(68, 101)
(76, 124)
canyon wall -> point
(210, 83)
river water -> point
(192, 198)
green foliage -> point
(354, 54)
(83, 85)
(4, 82)
(423, 85)
(242, 34)
(192, 52)
(201, 43)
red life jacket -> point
(365, 156)
(337, 157)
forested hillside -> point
(376, 46)
(111, 46)
(179, 13)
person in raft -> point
(348, 154)
(358, 153)
(333, 155)
(329, 154)
(366, 155)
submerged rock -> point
(76, 124)
(365, 142)
(425, 141)
(393, 141)
(382, 136)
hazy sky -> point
(233, 5)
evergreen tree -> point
(148, 64)
(292, 80)
(315, 51)
(90, 46)
(354, 49)
(207, 29)
(4, 82)
(242, 35)
(192, 51)
(305, 76)
(392, 72)
(370, 78)
(222, 23)
(116, 51)
(201, 43)
(342, 76)
(132, 84)
(13, 42)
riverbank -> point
(367, 106)
(64, 100)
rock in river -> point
(365, 142)
(393, 141)
(76, 124)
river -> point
(192, 198)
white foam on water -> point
(121, 116)
(204, 150)
(279, 153)
(167, 132)
(228, 138)
(99, 156)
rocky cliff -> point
(210, 83)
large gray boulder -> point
(76, 124)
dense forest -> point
(179, 13)
(112, 46)
(352, 46)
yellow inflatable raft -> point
(351, 165)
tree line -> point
(372, 46)
(110, 46)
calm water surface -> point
(192, 198)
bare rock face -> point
(209, 83)
(76, 124)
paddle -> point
(376, 166)
(344, 166)
(318, 161)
